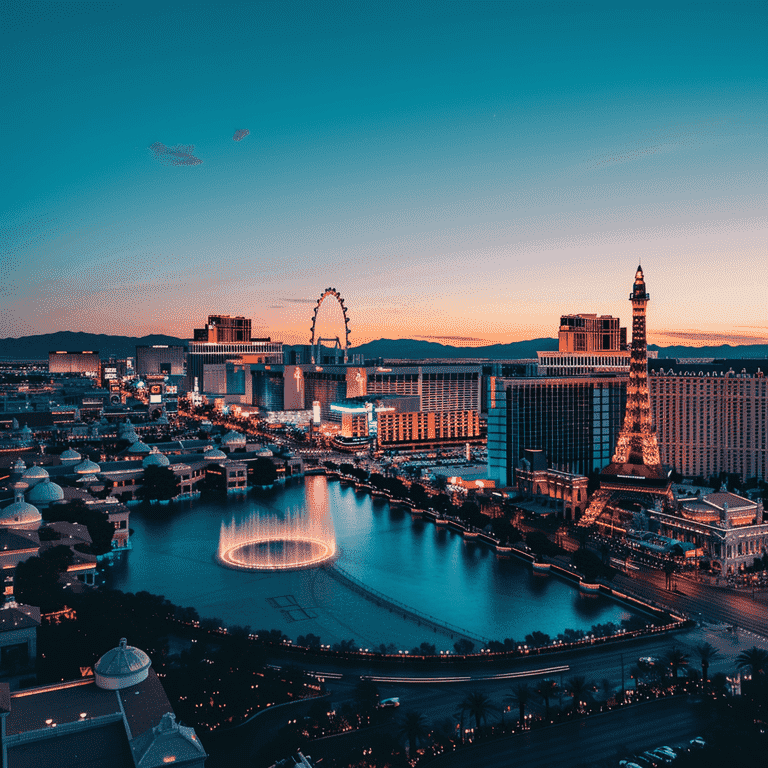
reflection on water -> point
(429, 568)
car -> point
(388, 703)
(664, 756)
(650, 661)
(698, 742)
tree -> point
(755, 659)
(546, 689)
(463, 646)
(36, 580)
(160, 483)
(264, 472)
(366, 695)
(676, 659)
(413, 729)
(579, 690)
(707, 654)
(479, 707)
(99, 528)
(520, 695)
(419, 496)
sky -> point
(459, 172)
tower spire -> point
(635, 472)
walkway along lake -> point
(430, 569)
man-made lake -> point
(428, 568)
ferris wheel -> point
(316, 341)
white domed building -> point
(34, 475)
(119, 716)
(20, 515)
(137, 449)
(87, 467)
(45, 493)
(70, 457)
(233, 440)
(122, 667)
(155, 459)
(214, 454)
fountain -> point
(268, 543)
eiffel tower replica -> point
(635, 473)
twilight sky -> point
(460, 172)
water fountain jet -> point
(267, 543)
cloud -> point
(299, 301)
(181, 154)
(240, 134)
(276, 306)
(451, 338)
(711, 339)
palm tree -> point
(479, 706)
(607, 689)
(546, 689)
(707, 653)
(413, 729)
(520, 695)
(579, 690)
(756, 659)
(676, 659)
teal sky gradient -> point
(455, 170)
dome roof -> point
(25, 430)
(70, 455)
(214, 453)
(35, 473)
(156, 459)
(122, 667)
(20, 514)
(139, 447)
(87, 467)
(45, 492)
(131, 437)
(233, 437)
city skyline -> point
(532, 154)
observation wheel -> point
(316, 341)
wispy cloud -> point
(298, 301)
(472, 339)
(181, 154)
(276, 306)
(240, 134)
(706, 338)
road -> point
(594, 741)
(699, 600)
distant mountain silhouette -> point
(38, 347)
(409, 349)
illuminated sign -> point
(155, 398)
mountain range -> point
(37, 348)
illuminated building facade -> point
(426, 429)
(729, 529)
(590, 333)
(575, 421)
(86, 362)
(711, 417)
(221, 329)
(202, 353)
(161, 359)
(635, 472)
